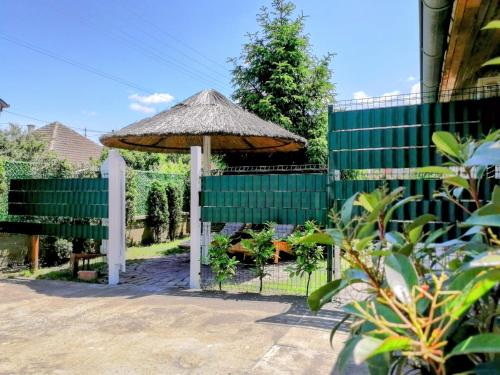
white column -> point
(114, 169)
(206, 226)
(195, 218)
(336, 263)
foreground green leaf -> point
(446, 143)
(484, 343)
(401, 276)
(323, 295)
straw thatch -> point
(207, 113)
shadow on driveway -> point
(297, 314)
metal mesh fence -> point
(277, 280)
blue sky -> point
(178, 47)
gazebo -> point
(210, 120)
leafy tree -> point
(223, 266)
(279, 79)
(174, 197)
(18, 145)
(261, 248)
(157, 210)
(308, 254)
(143, 161)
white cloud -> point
(89, 113)
(387, 99)
(360, 95)
(411, 79)
(156, 98)
(375, 101)
(141, 108)
(415, 89)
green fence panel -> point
(396, 140)
(84, 231)
(283, 198)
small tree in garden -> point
(157, 209)
(174, 197)
(130, 196)
(421, 312)
(223, 266)
(261, 248)
(308, 255)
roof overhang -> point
(453, 47)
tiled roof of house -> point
(69, 144)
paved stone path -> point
(158, 274)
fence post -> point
(336, 262)
(35, 249)
(195, 218)
(114, 170)
(206, 226)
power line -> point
(179, 41)
(155, 53)
(77, 64)
(49, 122)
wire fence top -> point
(414, 98)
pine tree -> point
(279, 79)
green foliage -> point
(421, 310)
(130, 196)
(261, 248)
(3, 187)
(54, 251)
(18, 145)
(174, 196)
(277, 77)
(308, 255)
(223, 266)
(143, 161)
(157, 210)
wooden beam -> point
(468, 46)
(35, 251)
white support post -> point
(114, 169)
(195, 218)
(336, 263)
(206, 226)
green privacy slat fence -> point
(400, 137)
(392, 141)
(282, 198)
(71, 197)
(32, 201)
(87, 231)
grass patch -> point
(135, 253)
(156, 250)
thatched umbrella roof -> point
(207, 113)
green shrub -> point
(54, 251)
(308, 255)
(186, 200)
(223, 266)
(261, 247)
(3, 190)
(130, 196)
(157, 210)
(422, 311)
(174, 197)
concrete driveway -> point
(51, 327)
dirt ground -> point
(53, 327)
